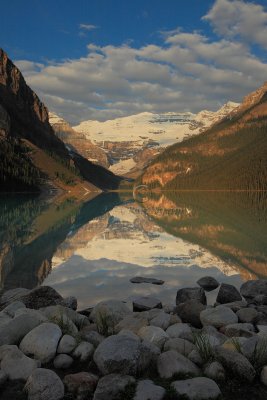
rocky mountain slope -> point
(232, 154)
(31, 155)
(77, 141)
(130, 142)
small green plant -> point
(259, 356)
(105, 323)
(237, 345)
(204, 347)
(64, 323)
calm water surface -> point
(92, 249)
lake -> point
(91, 249)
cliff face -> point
(28, 115)
(232, 154)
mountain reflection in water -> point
(92, 249)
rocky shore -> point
(191, 350)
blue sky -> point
(100, 59)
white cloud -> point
(237, 18)
(88, 27)
(187, 72)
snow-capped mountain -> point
(124, 139)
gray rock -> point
(182, 331)
(132, 323)
(248, 347)
(146, 303)
(264, 375)
(70, 302)
(234, 343)
(236, 363)
(111, 386)
(251, 289)
(171, 363)
(92, 337)
(262, 329)
(84, 351)
(153, 334)
(247, 315)
(59, 313)
(218, 316)
(236, 305)
(13, 331)
(67, 344)
(261, 299)
(182, 346)
(109, 313)
(227, 294)
(147, 390)
(44, 384)
(196, 358)
(42, 342)
(195, 293)
(43, 296)
(129, 334)
(197, 389)
(211, 331)
(13, 294)
(215, 371)
(208, 283)
(81, 385)
(239, 329)
(12, 308)
(140, 279)
(190, 312)
(162, 320)
(16, 365)
(63, 361)
(150, 352)
(120, 354)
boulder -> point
(172, 363)
(84, 351)
(240, 329)
(215, 371)
(227, 294)
(147, 390)
(218, 316)
(107, 314)
(129, 334)
(63, 361)
(236, 363)
(247, 314)
(66, 315)
(3, 378)
(81, 385)
(110, 387)
(251, 289)
(16, 365)
(208, 283)
(236, 305)
(146, 303)
(153, 334)
(195, 293)
(182, 346)
(92, 337)
(211, 331)
(12, 308)
(180, 330)
(120, 354)
(196, 358)
(13, 294)
(162, 320)
(44, 384)
(43, 296)
(190, 312)
(42, 342)
(67, 344)
(234, 343)
(197, 389)
(140, 279)
(132, 323)
(70, 302)
(14, 330)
